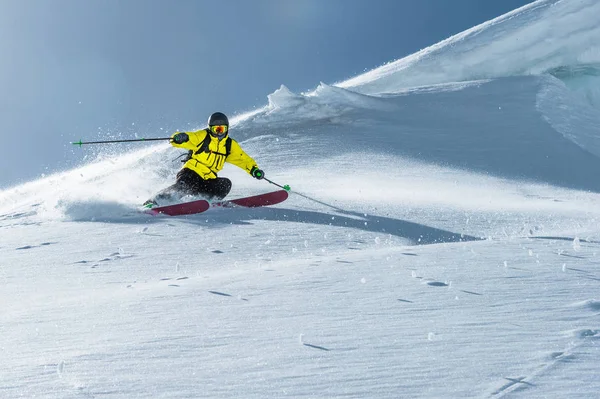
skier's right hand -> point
(257, 173)
(180, 138)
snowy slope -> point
(559, 37)
(443, 243)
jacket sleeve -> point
(239, 158)
(195, 139)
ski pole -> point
(287, 188)
(80, 143)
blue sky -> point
(74, 69)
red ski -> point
(185, 208)
(255, 201)
(193, 207)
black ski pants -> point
(190, 183)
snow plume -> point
(126, 178)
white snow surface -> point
(441, 240)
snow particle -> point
(431, 336)
(577, 244)
(60, 368)
(363, 280)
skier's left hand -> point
(257, 173)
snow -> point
(441, 240)
(546, 36)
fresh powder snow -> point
(441, 240)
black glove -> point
(180, 138)
(257, 173)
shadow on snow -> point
(417, 233)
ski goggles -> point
(219, 129)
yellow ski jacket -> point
(209, 154)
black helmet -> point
(218, 118)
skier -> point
(208, 149)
